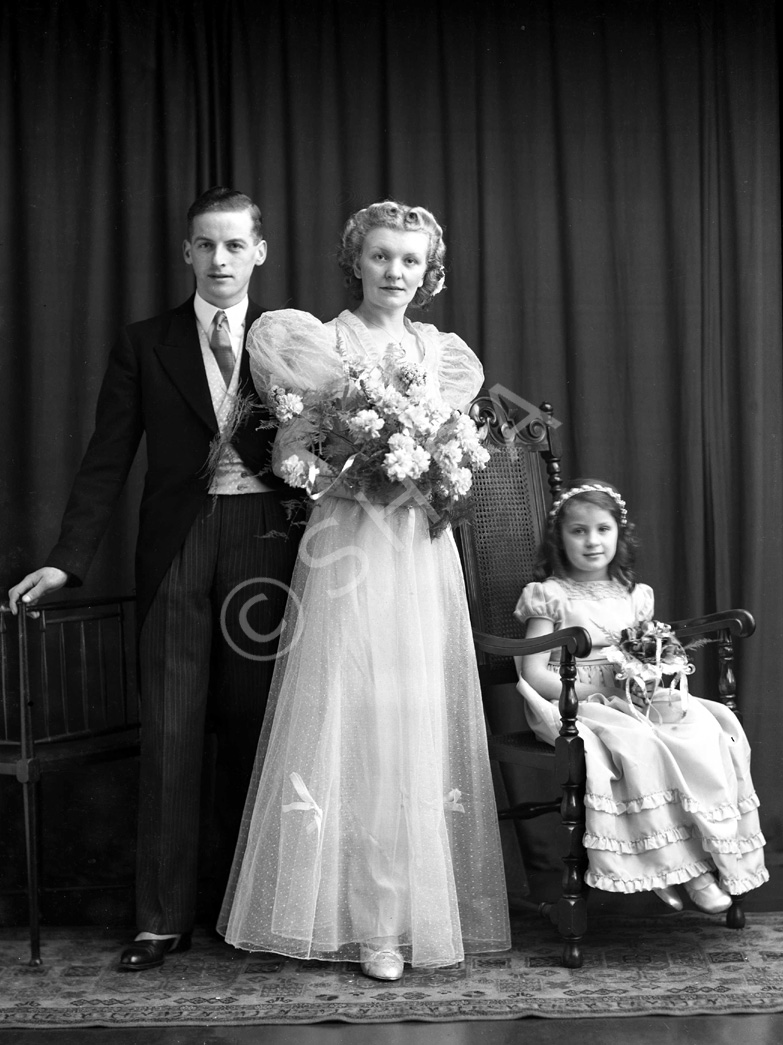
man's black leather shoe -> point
(147, 954)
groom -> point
(211, 565)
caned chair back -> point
(501, 536)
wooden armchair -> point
(68, 698)
(498, 545)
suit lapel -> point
(180, 357)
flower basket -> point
(654, 666)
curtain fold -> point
(608, 176)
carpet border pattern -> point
(675, 965)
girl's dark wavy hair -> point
(399, 216)
(552, 560)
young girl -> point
(669, 796)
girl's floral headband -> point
(586, 489)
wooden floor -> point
(652, 1030)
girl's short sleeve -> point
(293, 349)
(541, 599)
(643, 602)
(460, 373)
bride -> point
(370, 830)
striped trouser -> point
(202, 652)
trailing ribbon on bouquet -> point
(313, 473)
(307, 803)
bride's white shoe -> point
(708, 896)
(385, 963)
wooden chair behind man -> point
(498, 544)
(68, 699)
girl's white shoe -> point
(670, 896)
(705, 892)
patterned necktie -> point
(220, 343)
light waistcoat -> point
(232, 475)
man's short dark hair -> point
(223, 199)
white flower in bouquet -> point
(286, 405)
(465, 429)
(366, 425)
(448, 455)
(294, 471)
(422, 421)
(413, 378)
(369, 381)
(406, 459)
(460, 480)
(478, 456)
(385, 398)
(467, 434)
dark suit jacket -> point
(155, 385)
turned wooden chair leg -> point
(571, 769)
(570, 912)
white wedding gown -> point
(371, 813)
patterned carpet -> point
(687, 964)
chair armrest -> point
(728, 623)
(739, 622)
(576, 640)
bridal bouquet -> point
(386, 438)
(645, 654)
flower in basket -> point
(644, 655)
(386, 437)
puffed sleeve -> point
(297, 351)
(294, 349)
(643, 601)
(541, 599)
(460, 373)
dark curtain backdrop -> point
(608, 175)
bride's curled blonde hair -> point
(399, 216)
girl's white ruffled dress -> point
(371, 814)
(668, 797)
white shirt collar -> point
(235, 314)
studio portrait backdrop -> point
(607, 173)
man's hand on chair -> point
(35, 585)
